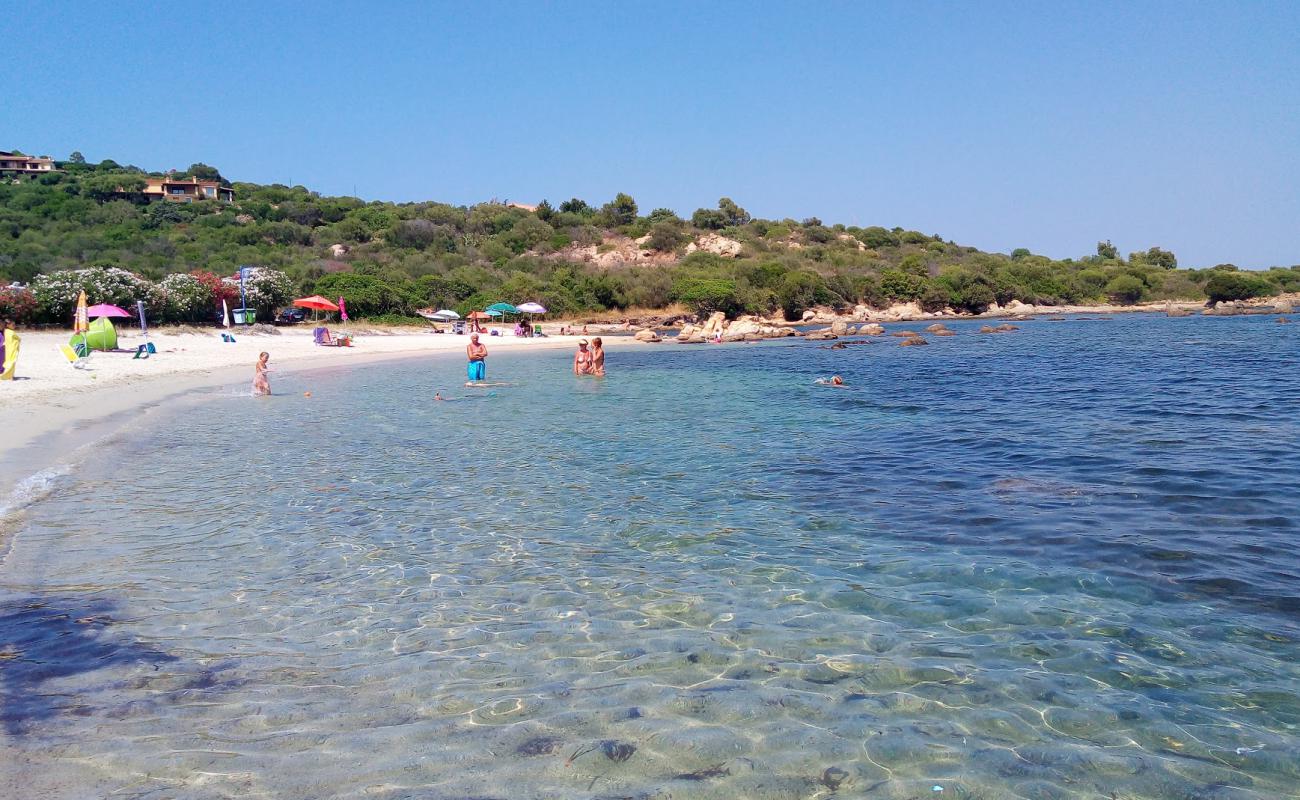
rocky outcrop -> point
(1282, 305)
(821, 336)
(915, 341)
(1003, 328)
(716, 244)
(647, 335)
(713, 325)
(339, 250)
(839, 328)
(905, 334)
(872, 329)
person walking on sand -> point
(597, 358)
(9, 352)
(477, 352)
(261, 381)
(582, 359)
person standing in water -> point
(597, 358)
(477, 352)
(582, 359)
(261, 381)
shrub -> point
(1236, 286)
(18, 305)
(56, 293)
(707, 295)
(186, 299)
(668, 235)
(1125, 289)
(901, 286)
(367, 295)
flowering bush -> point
(265, 289)
(18, 305)
(56, 293)
(178, 298)
(186, 299)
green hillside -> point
(392, 258)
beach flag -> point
(225, 314)
(343, 311)
(144, 329)
(81, 320)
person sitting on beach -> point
(582, 359)
(477, 368)
(597, 357)
(261, 382)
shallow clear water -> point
(1058, 563)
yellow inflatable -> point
(12, 341)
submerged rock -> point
(905, 334)
(915, 341)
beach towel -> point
(12, 343)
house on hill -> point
(16, 165)
(186, 191)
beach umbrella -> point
(446, 313)
(315, 302)
(105, 310)
(531, 308)
(479, 315)
(493, 313)
(343, 311)
(502, 308)
(225, 314)
(81, 320)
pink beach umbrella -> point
(343, 310)
(105, 310)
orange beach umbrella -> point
(315, 301)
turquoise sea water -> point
(1058, 563)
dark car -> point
(290, 316)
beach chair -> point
(76, 359)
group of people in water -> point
(589, 360)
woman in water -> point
(261, 383)
(597, 358)
(582, 359)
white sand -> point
(51, 395)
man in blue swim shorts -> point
(477, 368)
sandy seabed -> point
(50, 395)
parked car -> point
(290, 316)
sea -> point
(1058, 562)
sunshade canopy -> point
(531, 308)
(315, 301)
(481, 314)
(105, 310)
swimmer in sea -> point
(835, 380)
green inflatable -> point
(101, 336)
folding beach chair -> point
(76, 359)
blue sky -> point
(1046, 125)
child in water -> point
(261, 383)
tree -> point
(1107, 251)
(575, 206)
(709, 219)
(734, 214)
(544, 211)
(1156, 258)
(203, 172)
(77, 157)
(620, 211)
(1020, 252)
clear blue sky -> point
(1046, 125)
